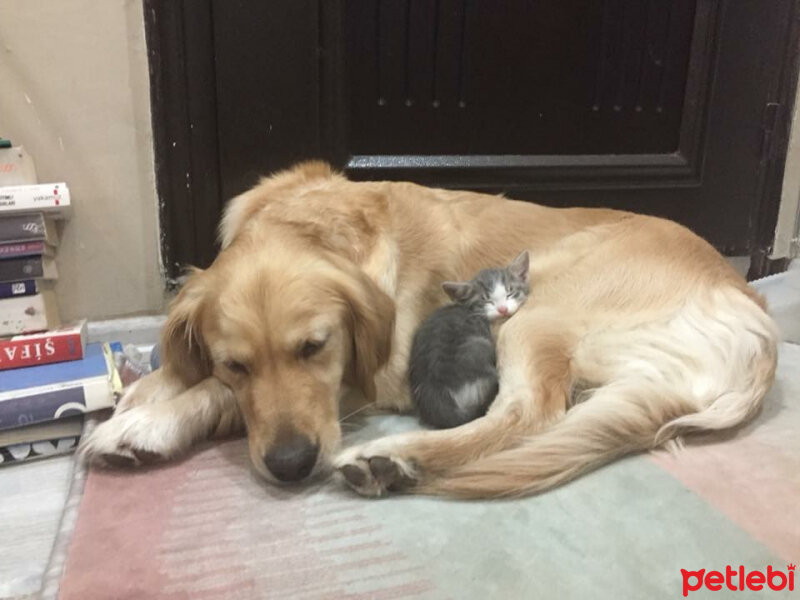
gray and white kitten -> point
(452, 369)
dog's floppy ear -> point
(372, 317)
(183, 349)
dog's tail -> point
(612, 423)
(708, 368)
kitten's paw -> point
(374, 475)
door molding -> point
(682, 168)
(180, 51)
(777, 128)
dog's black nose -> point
(292, 459)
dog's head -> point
(287, 320)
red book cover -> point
(22, 249)
(58, 345)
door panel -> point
(454, 77)
(267, 65)
(669, 107)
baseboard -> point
(740, 263)
(140, 331)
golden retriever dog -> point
(321, 283)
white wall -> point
(74, 90)
(788, 228)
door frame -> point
(180, 47)
(180, 51)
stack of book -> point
(42, 407)
(28, 241)
(49, 376)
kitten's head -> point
(498, 293)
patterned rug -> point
(207, 528)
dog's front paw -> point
(374, 475)
(130, 439)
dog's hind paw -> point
(376, 475)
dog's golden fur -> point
(645, 314)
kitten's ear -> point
(457, 290)
(519, 266)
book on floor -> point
(51, 430)
(30, 267)
(28, 287)
(34, 227)
(58, 345)
(51, 198)
(29, 314)
(42, 440)
(24, 249)
(56, 391)
(27, 451)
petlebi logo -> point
(739, 579)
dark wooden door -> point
(669, 107)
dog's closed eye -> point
(239, 368)
(311, 347)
